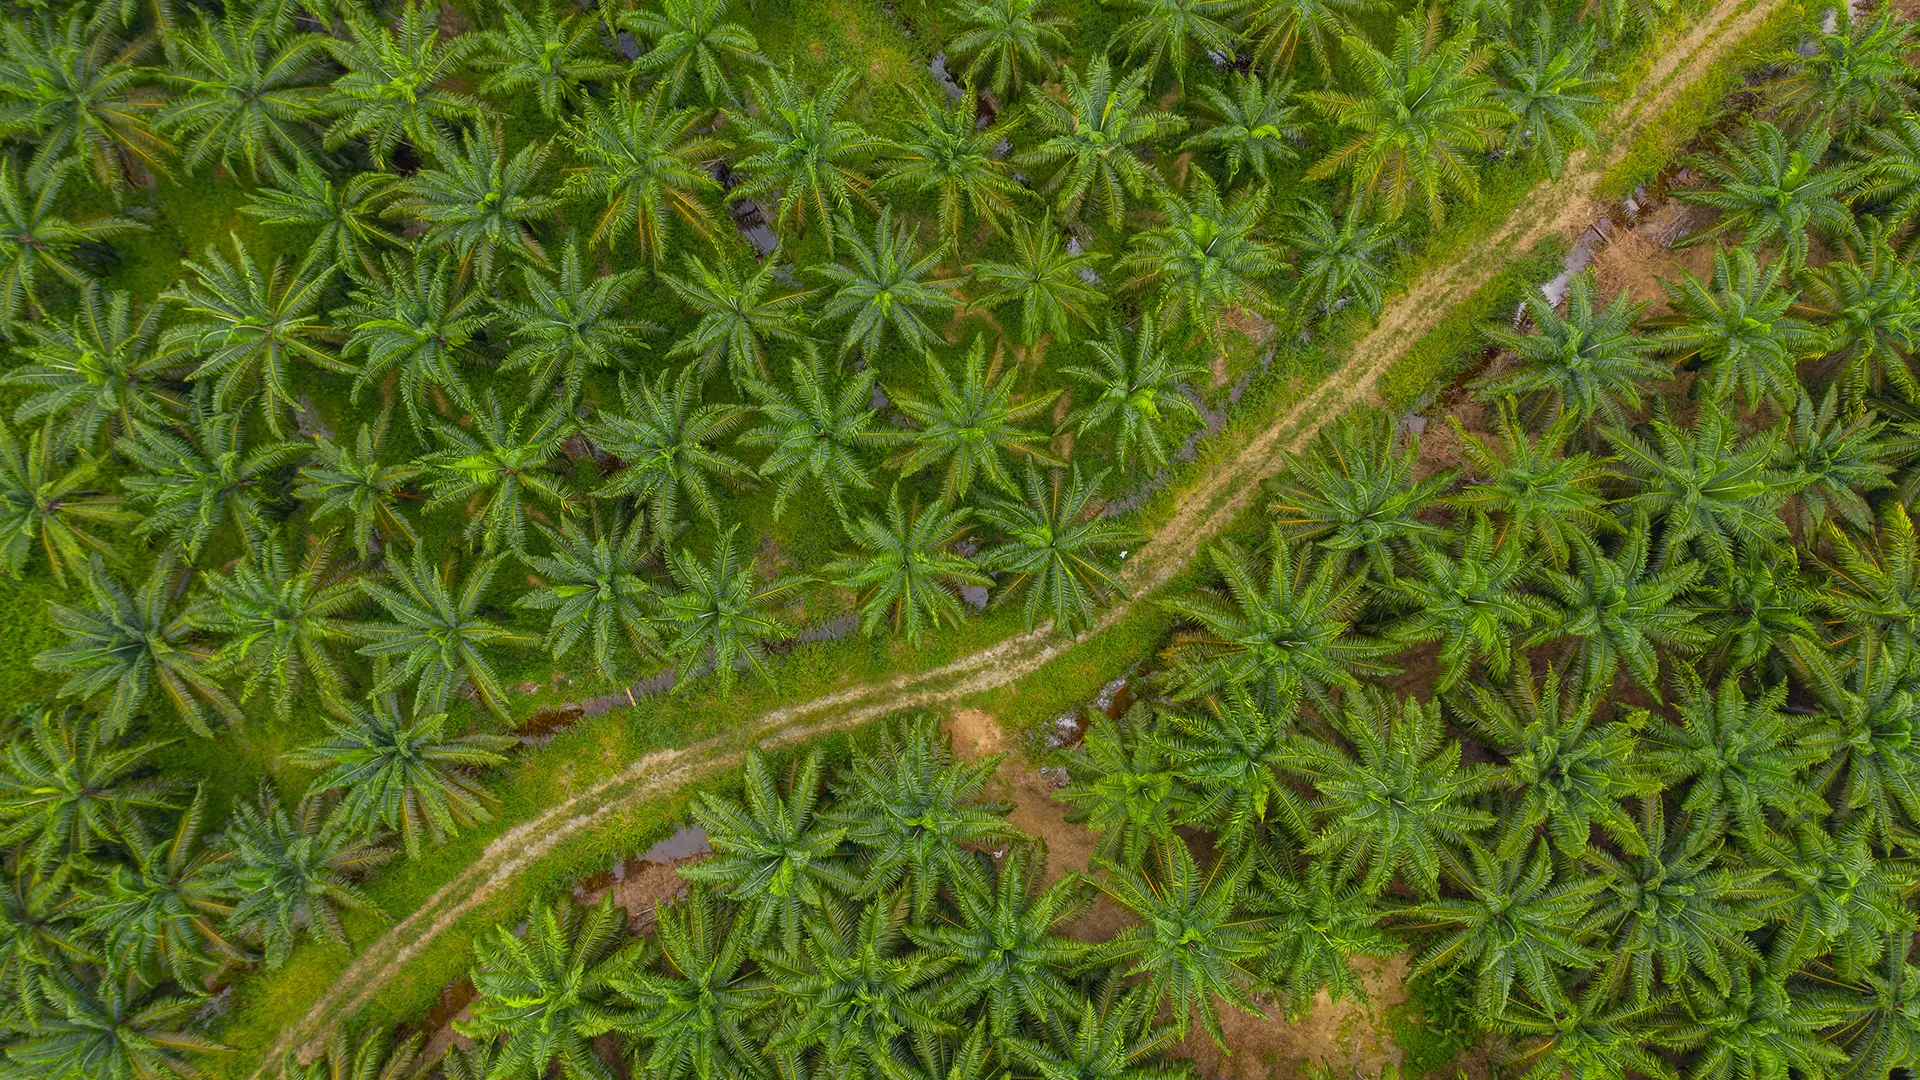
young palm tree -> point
(718, 615)
(161, 914)
(1890, 176)
(1116, 1035)
(1472, 600)
(1774, 191)
(353, 482)
(1121, 785)
(291, 871)
(113, 1032)
(571, 325)
(499, 471)
(972, 427)
(907, 574)
(68, 786)
(1839, 897)
(1623, 17)
(480, 203)
(1754, 608)
(372, 1056)
(665, 434)
(1399, 802)
(1550, 89)
(775, 856)
(1093, 139)
(283, 624)
(1512, 922)
(1875, 579)
(246, 94)
(1585, 363)
(642, 159)
(1424, 111)
(48, 499)
(888, 285)
(189, 487)
(549, 55)
(1865, 691)
(438, 633)
(401, 774)
(1570, 771)
(100, 371)
(1868, 307)
(817, 434)
(249, 326)
(1229, 755)
(418, 318)
(1257, 127)
(741, 313)
(692, 1009)
(1140, 391)
(399, 82)
(80, 94)
(693, 37)
(1707, 486)
(1172, 30)
(1289, 636)
(596, 592)
(1003, 932)
(1837, 459)
(1595, 1036)
(1764, 1024)
(1351, 493)
(346, 215)
(1057, 548)
(798, 147)
(1854, 74)
(544, 998)
(946, 150)
(1739, 756)
(1615, 611)
(1879, 1026)
(1206, 260)
(1191, 944)
(998, 39)
(131, 642)
(1338, 262)
(1313, 926)
(1541, 497)
(1277, 27)
(39, 939)
(35, 237)
(1054, 286)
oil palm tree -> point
(1228, 754)
(1277, 28)
(1890, 175)
(742, 310)
(1550, 89)
(571, 325)
(353, 481)
(480, 203)
(1740, 757)
(346, 215)
(1868, 307)
(1121, 785)
(717, 613)
(998, 40)
(373, 1055)
(817, 432)
(1354, 493)
(69, 786)
(1863, 752)
(40, 937)
(403, 775)
(114, 1032)
(132, 641)
(1840, 897)
(1473, 600)
(642, 160)
(1622, 17)
(1172, 30)
(1764, 1024)
(1707, 486)
(665, 433)
(549, 55)
(1139, 390)
(1092, 140)
(775, 856)
(596, 592)
(1540, 496)
(692, 1008)
(1587, 363)
(1338, 263)
(946, 150)
(1394, 797)
(907, 574)
(48, 498)
(189, 486)
(1853, 75)
(1286, 630)
(694, 37)
(1880, 1027)
(419, 319)
(1206, 260)
(1773, 190)
(284, 621)
(162, 912)
(1838, 459)
(246, 94)
(1424, 110)
(1614, 610)
(99, 371)
(1313, 926)
(399, 82)
(36, 238)
(972, 425)
(1116, 1035)
(800, 149)
(1755, 607)
(544, 998)
(292, 871)
(248, 325)
(1876, 578)
(80, 94)
(1054, 284)
(499, 471)
(437, 632)
(1257, 125)
(1592, 1036)
(1058, 548)
(889, 286)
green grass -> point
(1451, 347)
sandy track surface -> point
(1562, 207)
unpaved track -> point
(1563, 207)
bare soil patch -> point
(1346, 1035)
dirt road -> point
(1563, 207)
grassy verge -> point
(1450, 348)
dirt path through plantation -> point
(1563, 207)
